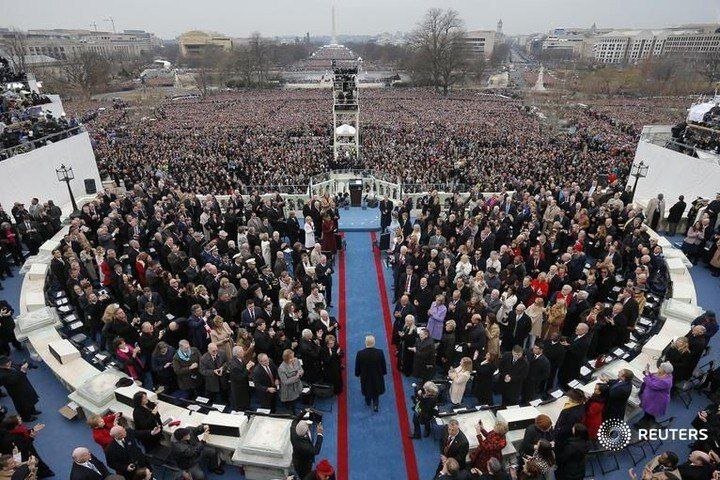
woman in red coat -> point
(594, 413)
(328, 239)
(101, 428)
(540, 287)
(490, 445)
(140, 266)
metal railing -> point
(39, 142)
(283, 189)
(322, 177)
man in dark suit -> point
(304, 450)
(266, 381)
(239, 376)
(513, 371)
(251, 315)
(407, 283)
(616, 393)
(292, 228)
(23, 395)
(370, 367)
(386, 208)
(323, 273)
(59, 267)
(86, 466)
(123, 454)
(630, 310)
(453, 444)
(538, 373)
(555, 352)
(519, 325)
(578, 305)
(456, 310)
(30, 234)
(575, 355)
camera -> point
(314, 416)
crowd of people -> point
(22, 116)
(502, 300)
(196, 297)
(247, 290)
(277, 140)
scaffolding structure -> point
(346, 113)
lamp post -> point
(638, 171)
(65, 174)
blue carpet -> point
(374, 438)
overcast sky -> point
(169, 18)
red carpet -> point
(408, 448)
(342, 429)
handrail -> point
(23, 147)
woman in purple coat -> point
(436, 318)
(655, 394)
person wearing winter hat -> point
(323, 471)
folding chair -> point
(635, 449)
(598, 455)
(661, 425)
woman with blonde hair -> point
(309, 229)
(679, 356)
(492, 330)
(202, 297)
(109, 313)
(555, 319)
(246, 341)
(478, 285)
(290, 373)
(459, 377)
(222, 335)
(536, 312)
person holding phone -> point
(304, 448)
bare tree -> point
(14, 43)
(86, 71)
(240, 66)
(260, 55)
(439, 49)
(208, 66)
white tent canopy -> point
(345, 130)
(697, 112)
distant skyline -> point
(238, 18)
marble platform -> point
(677, 309)
(96, 394)
(37, 271)
(64, 351)
(265, 451)
(683, 288)
(34, 320)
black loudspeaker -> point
(90, 186)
